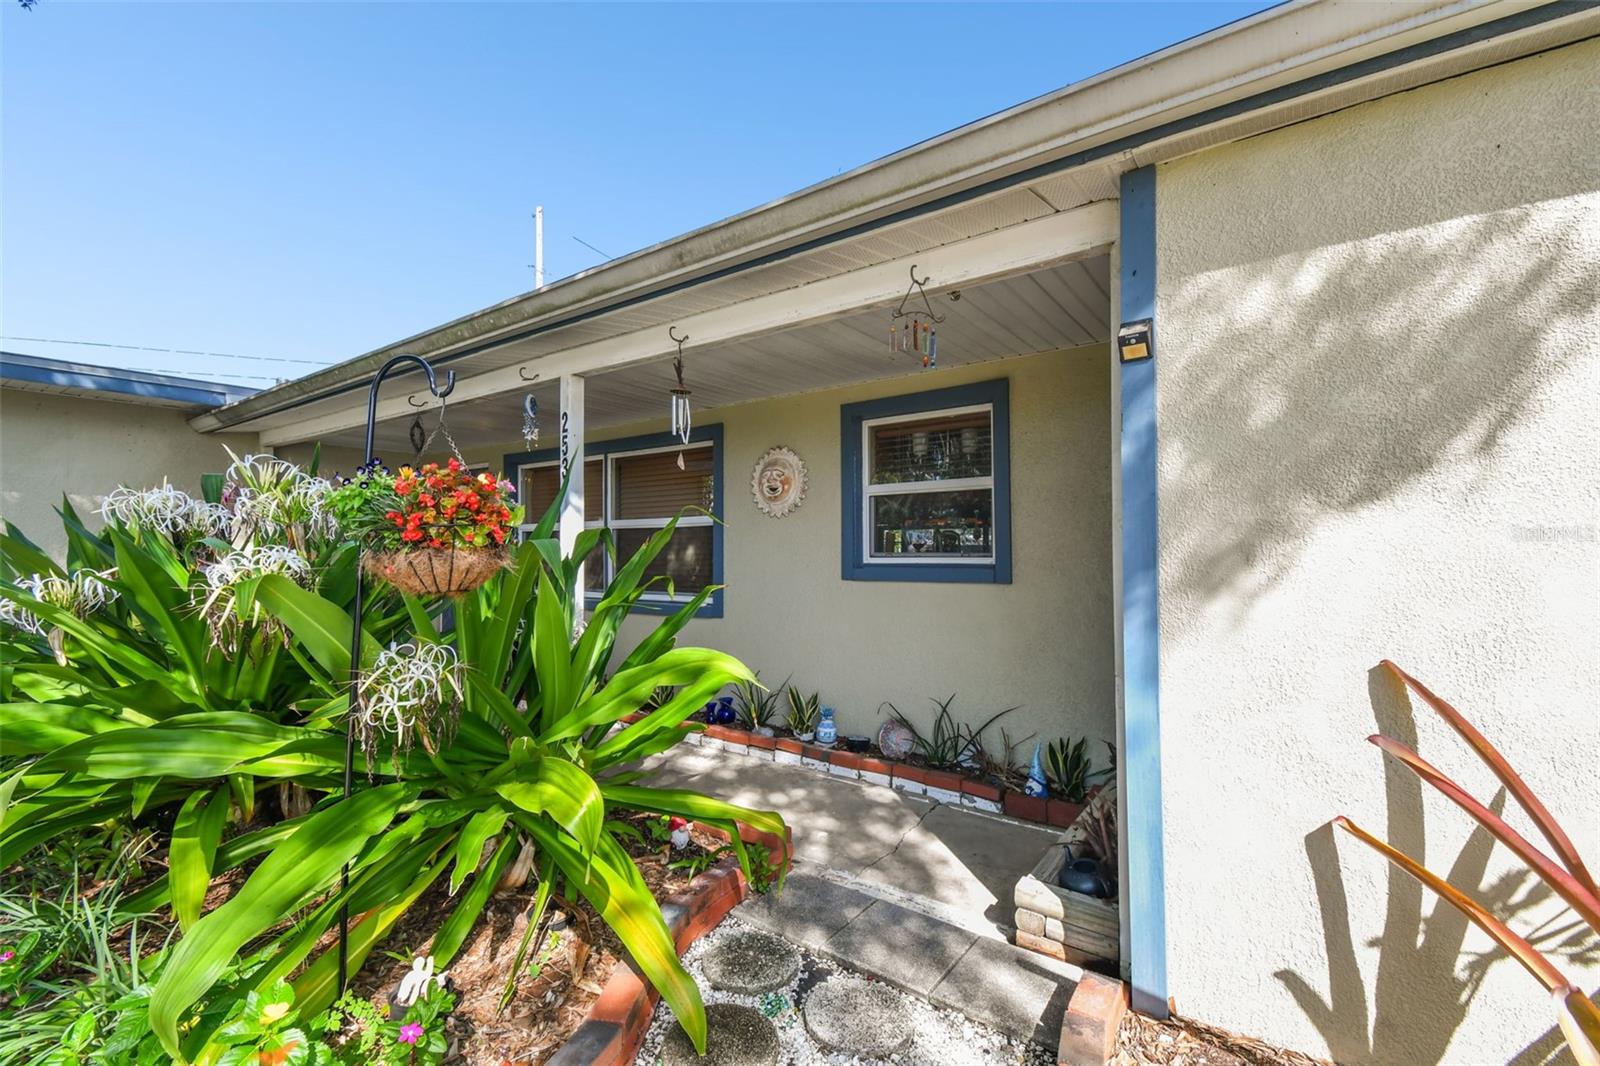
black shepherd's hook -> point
(355, 636)
(677, 363)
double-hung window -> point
(927, 486)
(635, 487)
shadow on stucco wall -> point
(1316, 382)
(1425, 982)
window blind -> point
(938, 448)
(652, 487)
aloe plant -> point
(754, 705)
(1566, 874)
(144, 715)
(803, 712)
(1070, 772)
(950, 743)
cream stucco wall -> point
(1042, 643)
(84, 448)
(1378, 379)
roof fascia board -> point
(1272, 49)
(85, 377)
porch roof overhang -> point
(1033, 173)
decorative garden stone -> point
(857, 1017)
(735, 1036)
(751, 963)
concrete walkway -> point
(953, 862)
(899, 887)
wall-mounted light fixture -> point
(1133, 341)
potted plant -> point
(434, 531)
(754, 707)
(803, 713)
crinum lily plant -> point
(517, 723)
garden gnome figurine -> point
(1036, 786)
(680, 832)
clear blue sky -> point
(310, 181)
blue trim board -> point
(853, 566)
(713, 607)
(87, 377)
(1141, 741)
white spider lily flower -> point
(271, 497)
(165, 509)
(411, 690)
(82, 593)
(223, 578)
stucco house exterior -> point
(77, 430)
(1361, 245)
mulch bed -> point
(547, 1008)
(1143, 1041)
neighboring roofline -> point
(1265, 59)
(138, 384)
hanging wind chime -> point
(530, 413)
(682, 424)
(916, 332)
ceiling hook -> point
(522, 373)
(412, 400)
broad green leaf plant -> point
(537, 757)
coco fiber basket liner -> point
(435, 571)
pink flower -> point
(7, 955)
(410, 1033)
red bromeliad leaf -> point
(1566, 886)
(1580, 1024)
(1513, 782)
(1543, 970)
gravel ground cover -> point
(940, 1037)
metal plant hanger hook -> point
(919, 336)
(357, 609)
(682, 423)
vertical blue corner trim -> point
(1146, 888)
(715, 605)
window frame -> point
(610, 451)
(857, 563)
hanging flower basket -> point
(435, 571)
(433, 531)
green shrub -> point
(145, 713)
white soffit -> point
(1065, 306)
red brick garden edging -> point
(614, 1029)
(942, 785)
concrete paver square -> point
(1018, 992)
(809, 911)
(903, 947)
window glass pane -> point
(652, 486)
(538, 488)
(937, 448)
(541, 483)
(686, 559)
(922, 524)
(594, 571)
(594, 490)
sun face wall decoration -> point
(779, 482)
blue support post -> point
(1145, 891)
